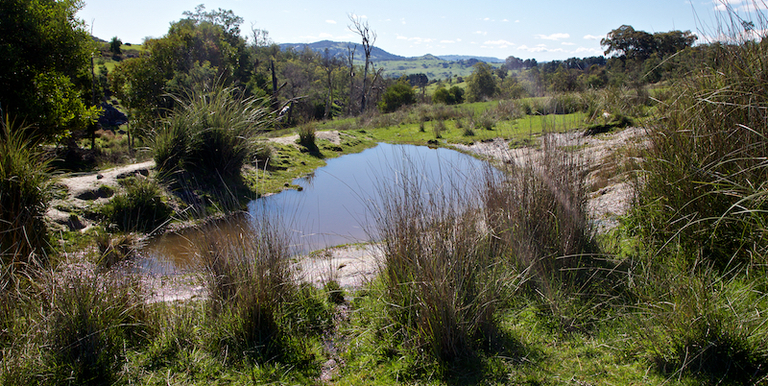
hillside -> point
(434, 67)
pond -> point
(338, 202)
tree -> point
(115, 46)
(369, 38)
(198, 50)
(626, 41)
(452, 96)
(481, 84)
(397, 95)
(44, 66)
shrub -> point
(140, 207)
(452, 96)
(24, 194)
(397, 95)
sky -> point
(543, 30)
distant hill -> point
(456, 58)
(443, 67)
(340, 49)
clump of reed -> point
(255, 309)
(140, 207)
(210, 134)
(86, 321)
(536, 212)
(701, 215)
(440, 282)
(25, 190)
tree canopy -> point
(44, 65)
(482, 83)
(627, 42)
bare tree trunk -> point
(351, 60)
(369, 38)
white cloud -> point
(481, 33)
(517, 21)
(555, 36)
(487, 19)
(568, 44)
(502, 43)
(447, 41)
(331, 21)
(592, 37)
(415, 40)
(584, 50)
(505, 21)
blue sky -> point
(544, 30)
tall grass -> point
(141, 207)
(441, 284)
(87, 322)
(536, 212)
(211, 134)
(24, 196)
(701, 216)
(705, 186)
(255, 310)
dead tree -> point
(369, 38)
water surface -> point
(338, 202)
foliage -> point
(481, 84)
(140, 208)
(25, 190)
(201, 49)
(449, 96)
(115, 46)
(44, 52)
(627, 42)
(397, 95)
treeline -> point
(634, 58)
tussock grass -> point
(86, 322)
(210, 135)
(25, 190)
(141, 207)
(255, 309)
(440, 282)
(701, 216)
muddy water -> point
(337, 203)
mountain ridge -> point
(378, 54)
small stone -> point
(99, 176)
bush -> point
(452, 96)
(140, 207)
(25, 190)
(397, 95)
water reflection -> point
(337, 202)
